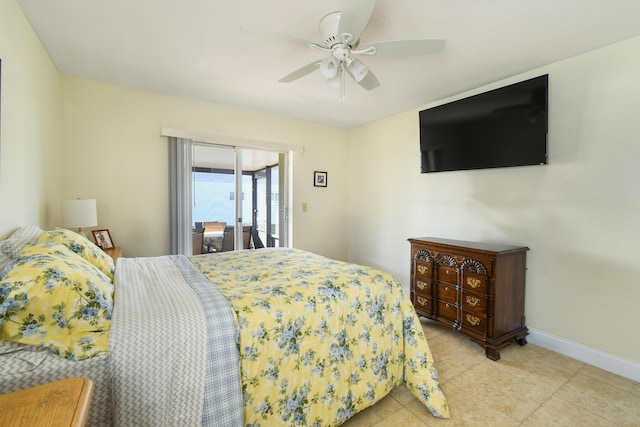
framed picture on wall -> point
(319, 179)
(103, 239)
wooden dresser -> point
(476, 288)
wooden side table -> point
(115, 252)
(60, 403)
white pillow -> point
(23, 236)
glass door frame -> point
(267, 173)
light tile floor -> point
(529, 386)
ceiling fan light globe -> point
(329, 67)
(358, 70)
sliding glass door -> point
(232, 194)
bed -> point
(256, 337)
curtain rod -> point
(231, 141)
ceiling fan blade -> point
(275, 36)
(401, 48)
(354, 17)
(369, 82)
(300, 72)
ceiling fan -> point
(341, 40)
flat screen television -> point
(500, 128)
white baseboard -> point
(585, 354)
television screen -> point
(500, 128)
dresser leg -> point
(492, 353)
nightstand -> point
(60, 403)
(115, 252)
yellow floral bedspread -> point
(320, 340)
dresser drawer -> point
(474, 321)
(447, 275)
(474, 282)
(423, 303)
(424, 269)
(447, 292)
(447, 310)
(422, 286)
(475, 303)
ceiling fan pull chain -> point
(343, 98)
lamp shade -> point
(358, 69)
(79, 213)
(329, 67)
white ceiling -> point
(193, 48)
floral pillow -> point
(83, 247)
(51, 297)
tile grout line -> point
(551, 395)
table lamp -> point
(78, 214)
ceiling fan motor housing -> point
(329, 30)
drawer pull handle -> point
(473, 282)
(422, 301)
(421, 285)
(473, 301)
(422, 269)
(473, 320)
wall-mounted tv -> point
(500, 128)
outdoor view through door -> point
(215, 200)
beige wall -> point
(578, 215)
(114, 152)
(29, 124)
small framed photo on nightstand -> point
(319, 179)
(103, 239)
